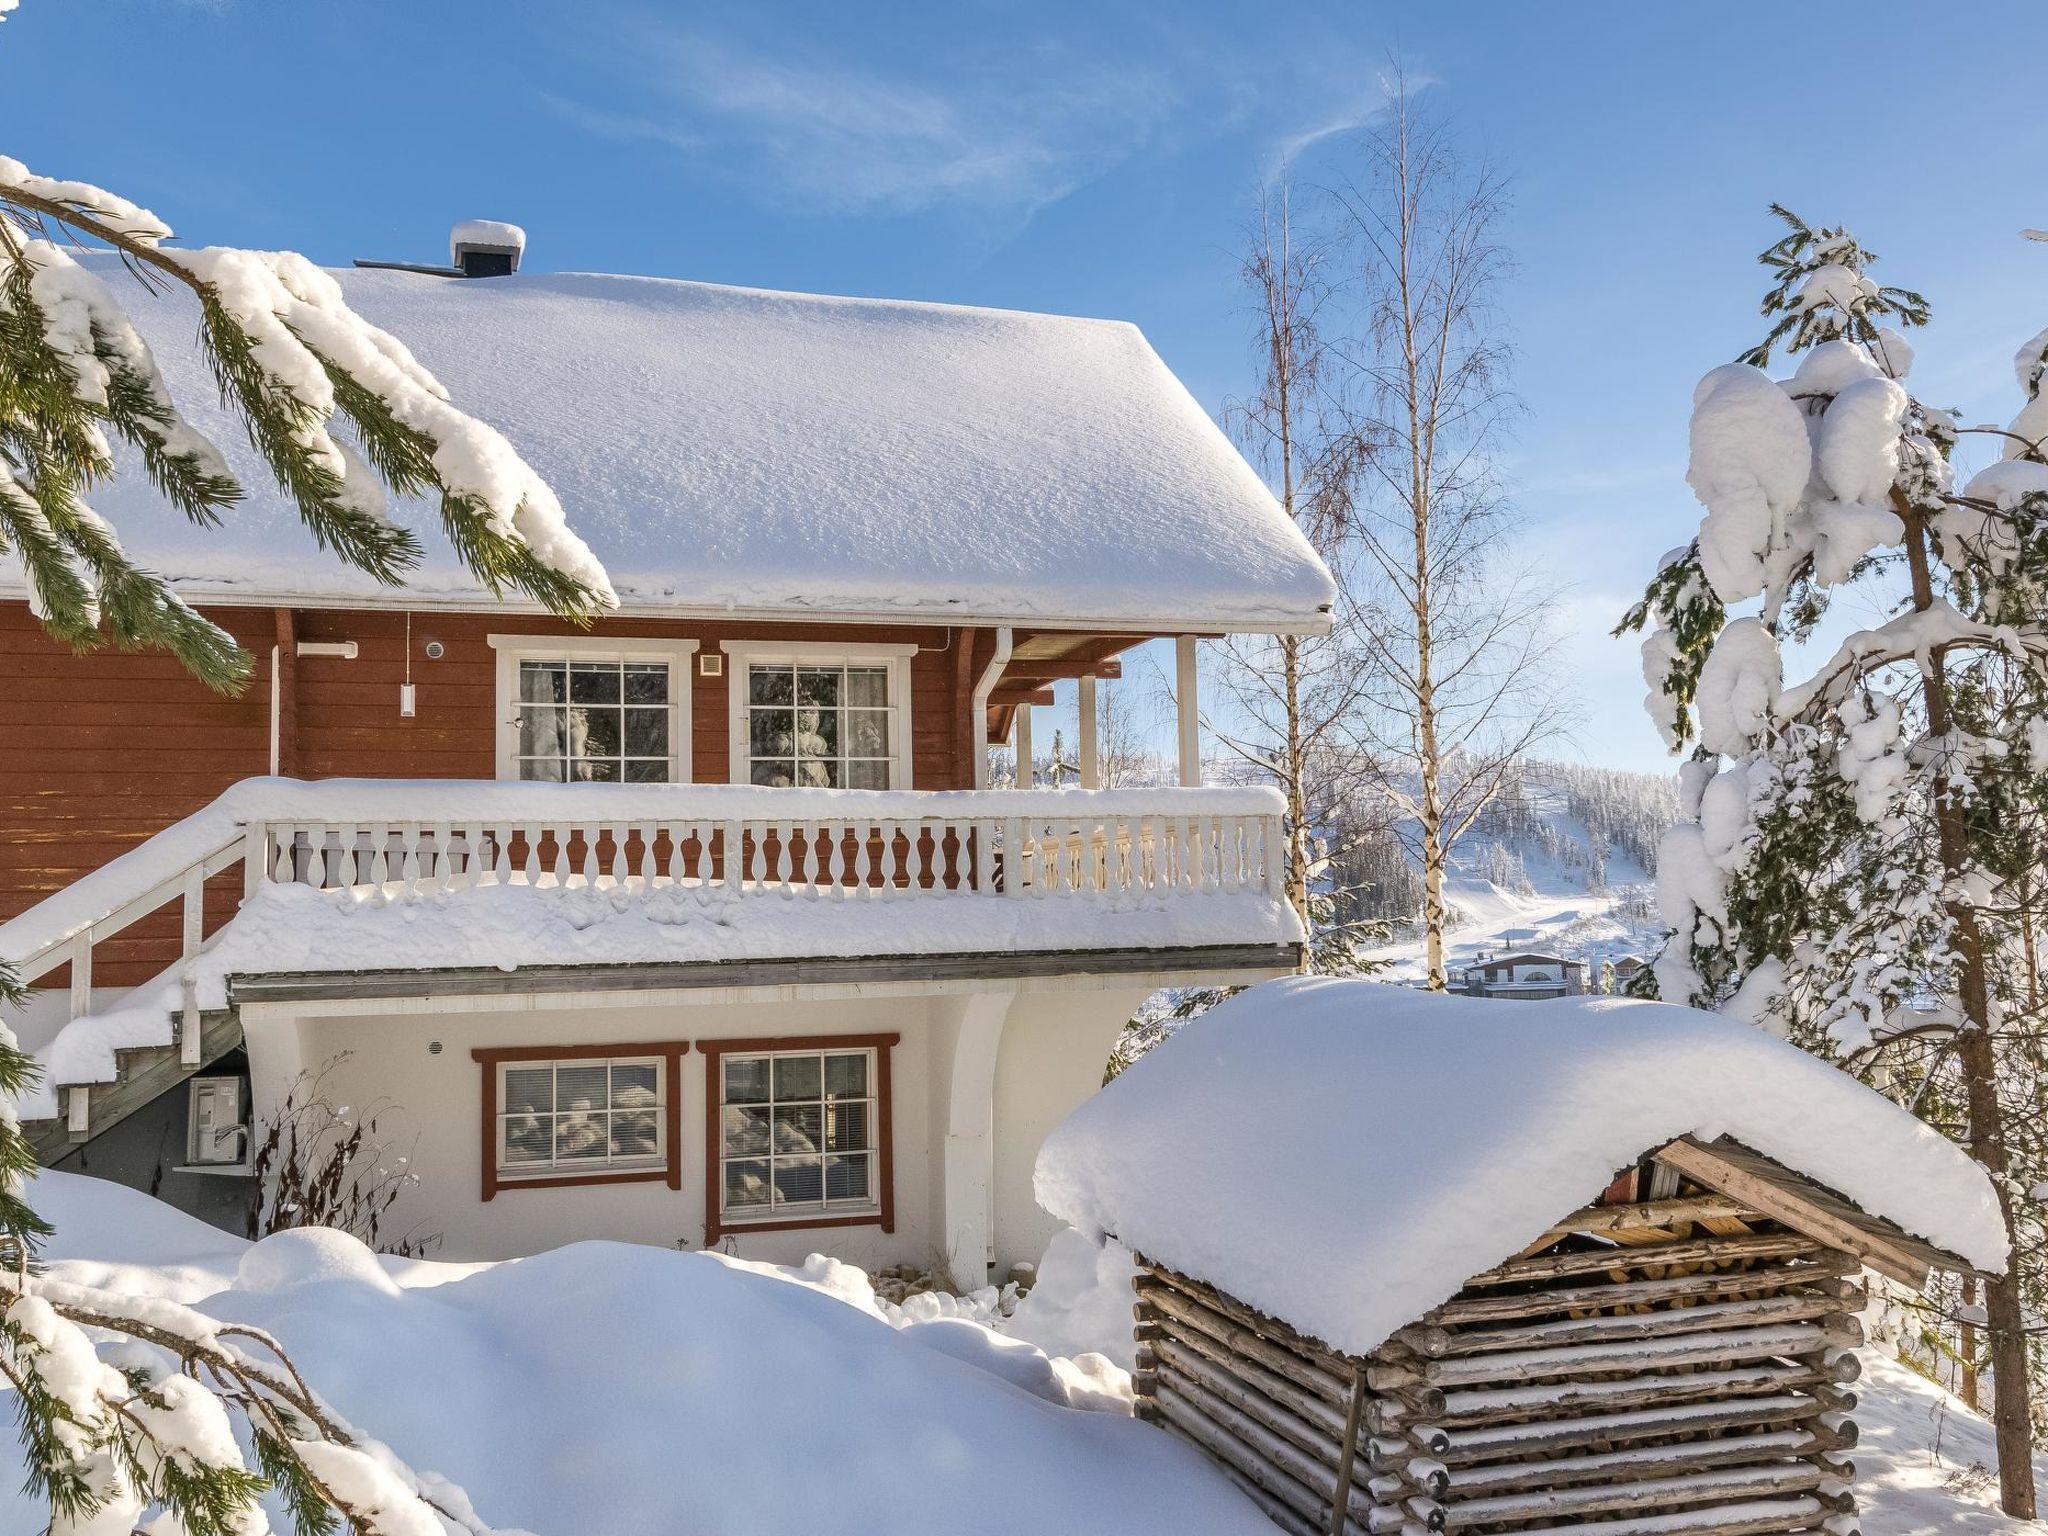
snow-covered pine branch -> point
(297, 364)
(1859, 864)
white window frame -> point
(675, 654)
(556, 1168)
(743, 654)
(823, 1209)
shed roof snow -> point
(736, 450)
(1345, 1155)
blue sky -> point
(1100, 159)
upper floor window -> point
(816, 717)
(575, 710)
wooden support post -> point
(1091, 765)
(1184, 686)
(78, 1110)
(190, 1026)
(81, 974)
(1340, 1504)
(1026, 762)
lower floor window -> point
(798, 1134)
(578, 1115)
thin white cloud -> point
(1003, 130)
(846, 139)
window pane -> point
(543, 682)
(867, 775)
(579, 1137)
(646, 683)
(799, 1128)
(647, 733)
(867, 733)
(846, 1075)
(771, 685)
(746, 1080)
(796, 1077)
(849, 1127)
(595, 732)
(580, 1087)
(818, 685)
(817, 733)
(746, 1131)
(771, 733)
(634, 1085)
(746, 1184)
(815, 773)
(867, 686)
(597, 770)
(774, 774)
(846, 1178)
(594, 682)
(529, 1138)
(546, 770)
(540, 732)
(650, 771)
(636, 1133)
(799, 1181)
(529, 1088)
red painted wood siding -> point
(98, 752)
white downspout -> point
(990, 676)
(276, 707)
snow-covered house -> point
(1443, 1266)
(699, 925)
(1527, 975)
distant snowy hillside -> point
(1562, 861)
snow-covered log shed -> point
(1411, 1264)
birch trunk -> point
(1977, 1058)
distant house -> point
(1626, 968)
(1526, 975)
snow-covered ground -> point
(1558, 865)
(606, 1388)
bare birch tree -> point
(1297, 697)
(1457, 691)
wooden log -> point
(1651, 1213)
(1236, 1456)
(1354, 1417)
(1191, 1314)
(1317, 1478)
(1722, 1348)
(1498, 1405)
(1467, 1447)
(1643, 1461)
(1794, 1307)
(1704, 1250)
(1188, 1372)
(1465, 1309)
(1757, 1517)
(1657, 1493)
(1154, 1277)
(1212, 1364)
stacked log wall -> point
(1669, 1369)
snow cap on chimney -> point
(485, 247)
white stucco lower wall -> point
(416, 1071)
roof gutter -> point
(990, 676)
(1295, 623)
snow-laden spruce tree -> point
(1861, 859)
(182, 1420)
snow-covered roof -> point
(1345, 1155)
(730, 450)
